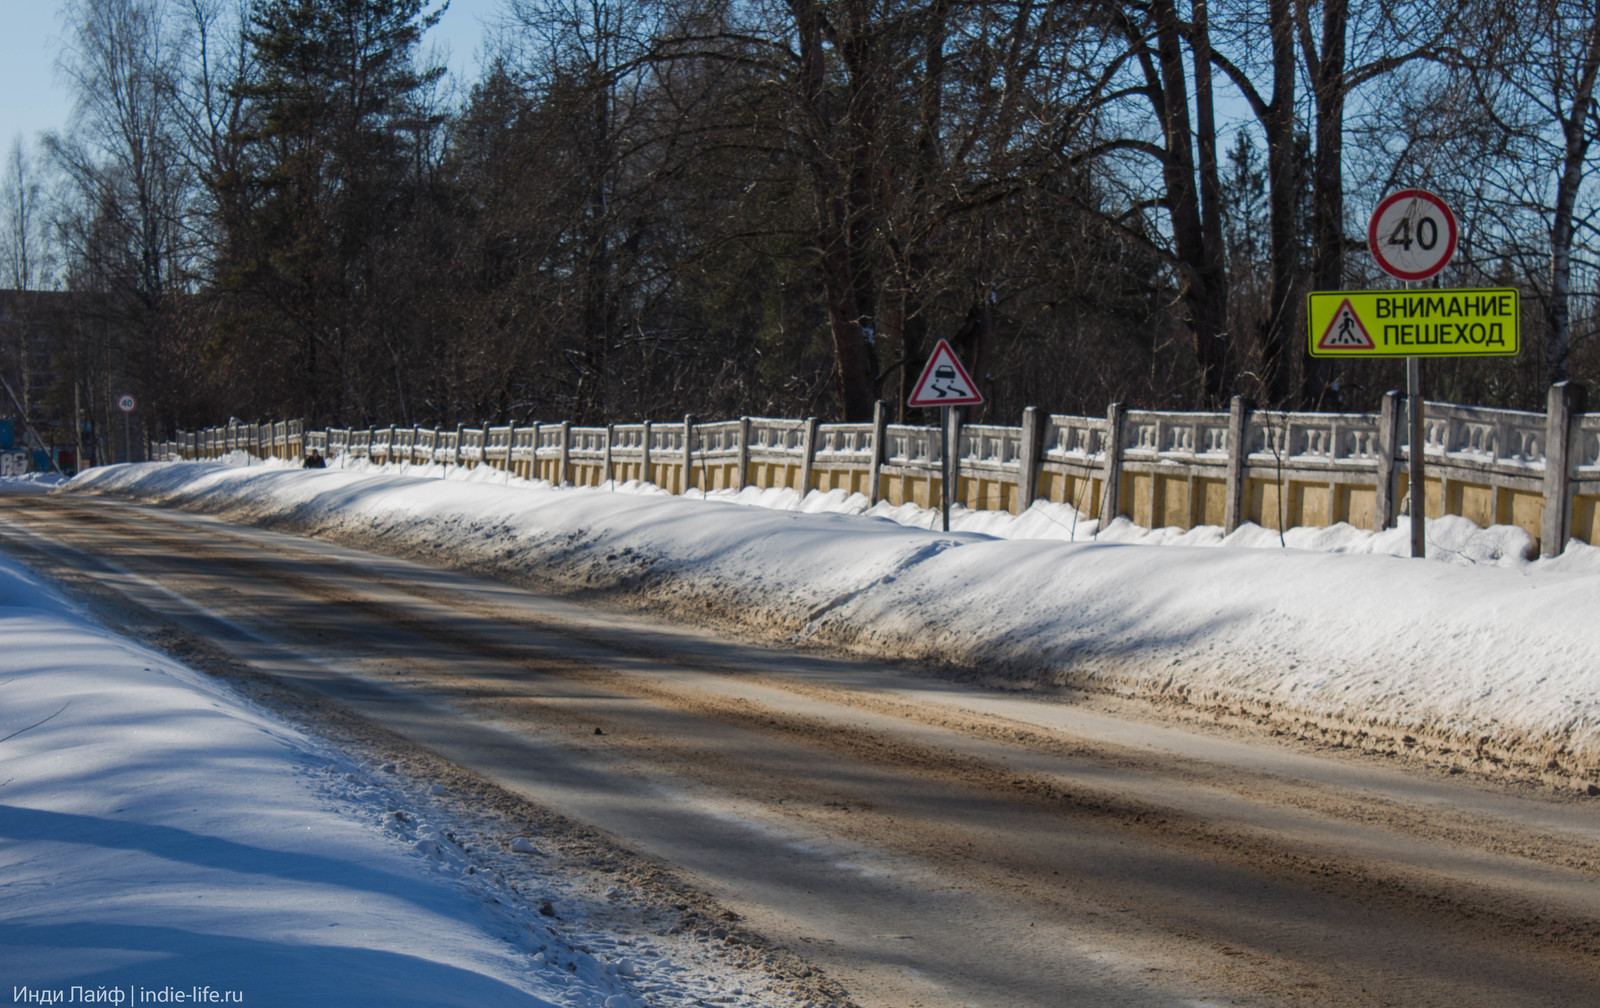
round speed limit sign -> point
(1412, 234)
(126, 403)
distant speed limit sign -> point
(1412, 234)
(126, 403)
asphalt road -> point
(924, 843)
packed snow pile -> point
(162, 841)
(1476, 655)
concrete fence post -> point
(808, 444)
(1564, 401)
(1385, 509)
(606, 474)
(563, 473)
(741, 479)
(1238, 461)
(645, 476)
(1029, 452)
(1111, 471)
(880, 445)
(688, 454)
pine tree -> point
(332, 106)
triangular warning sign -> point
(1346, 332)
(944, 381)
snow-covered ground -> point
(1477, 653)
(160, 834)
(165, 841)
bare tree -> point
(131, 188)
(24, 256)
(1509, 130)
(1537, 95)
(1171, 75)
(911, 131)
(1353, 47)
(1275, 105)
(24, 268)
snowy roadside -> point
(1479, 657)
(161, 836)
(163, 840)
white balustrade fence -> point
(1158, 468)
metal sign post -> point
(946, 431)
(946, 384)
(1416, 458)
(1412, 235)
(1415, 323)
(126, 404)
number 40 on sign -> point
(1412, 234)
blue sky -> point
(32, 99)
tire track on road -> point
(1247, 908)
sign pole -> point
(1412, 235)
(945, 413)
(1419, 454)
(1417, 458)
(946, 384)
(126, 404)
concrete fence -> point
(1539, 471)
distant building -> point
(35, 326)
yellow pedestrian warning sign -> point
(1414, 323)
(1345, 332)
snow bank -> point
(1486, 659)
(161, 841)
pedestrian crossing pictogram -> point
(1345, 332)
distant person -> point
(315, 460)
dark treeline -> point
(645, 208)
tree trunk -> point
(843, 174)
(1327, 191)
(1576, 137)
(1199, 253)
(852, 359)
(1283, 190)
